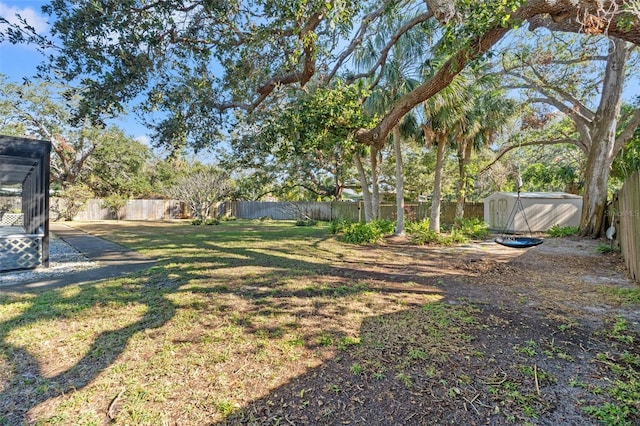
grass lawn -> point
(269, 323)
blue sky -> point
(19, 61)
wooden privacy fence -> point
(327, 211)
(628, 214)
(95, 209)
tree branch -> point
(377, 136)
(506, 148)
(589, 17)
(558, 11)
(578, 106)
(628, 132)
(309, 63)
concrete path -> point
(113, 261)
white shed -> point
(542, 210)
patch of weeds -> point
(347, 342)
(306, 222)
(416, 354)
(324, 340)
(606, 248)
(575, 382)
(555, 351)
(620, 332)
(430, 372)
(564, 356)
(346, 290)
(378, 375)
(562, 231)
(356, 369)
(624, 386)
(567, 326)
(224, 407)
(335, 388)
(405, 379)
(529, 349)
(611, 414)
(453, 392)
(627, 296)
(296, 342)
(537, 373)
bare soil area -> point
(540, 349)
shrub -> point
(424, 236)
(562, 231)
(367, 233)
(387, 227)
(413, 227)
(338, 226)
(196, 222)
(212, 222)
(473, 228)
(456, 236)
(420, 233)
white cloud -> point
(32, 16)
(143, 140)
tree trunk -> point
(375, 184)
(594, 198)
(464, 155)
(366, 195)
(603, 149)
(434, 223)
(399, 182)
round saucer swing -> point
(513, 241)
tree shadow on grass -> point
(279, 280)
(446, 362)
(29, 385)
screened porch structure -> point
(24, 236)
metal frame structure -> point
(26, 162)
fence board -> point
(629, 218)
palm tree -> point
(486, 113)
(442, 114)
(399, 75)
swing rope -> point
(512, 240)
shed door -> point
(501, 213)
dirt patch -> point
(529, 356)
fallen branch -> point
(110, 414)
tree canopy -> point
(239, 54)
